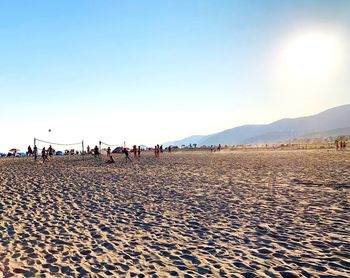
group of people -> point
(33, 152)
(44, 153)
(136, 150)
(214, 148)
(157, 150)
(340, 145)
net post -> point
(34, 142)
(82, 149)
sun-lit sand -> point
(189, 214)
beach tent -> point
(117, 150)
(2, 154)
(13, 152)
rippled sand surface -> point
(193, 214)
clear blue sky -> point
(153, 71)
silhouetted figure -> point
(44, 155)
(96, 151)
(50, 151)
(126, 155)
(35, 153)
(156, 151)
(134, 151)
(30, 151)
(139, 151)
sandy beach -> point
(188, 214)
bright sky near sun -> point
(153, 71)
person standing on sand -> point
(139, 152)
(29, 152)
(88, 149)
(50, 151)
(169, 149)
(336, 144)
(44, 155)
(156, 151)
(126, 155)
(96, 152)
(35, 153)
(134, 151)
(108, 151)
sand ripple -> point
(241, 214)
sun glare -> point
(312, 55)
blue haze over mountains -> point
(332, 122)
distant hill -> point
(332, 122)
(329, 133)
(195, 139)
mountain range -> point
(332, 122)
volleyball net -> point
(113, 147)
(64, 148)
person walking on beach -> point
(44, 155)
(134, 151)
(126, 155)
(139, 152)
(35, 153)
(29, 152)
(336, 144)
(169, 149)
(108, 151)
(156, 151)
(88, 149)
(96, 151)
(50, 151)
(161, 148)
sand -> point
(193, 214)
